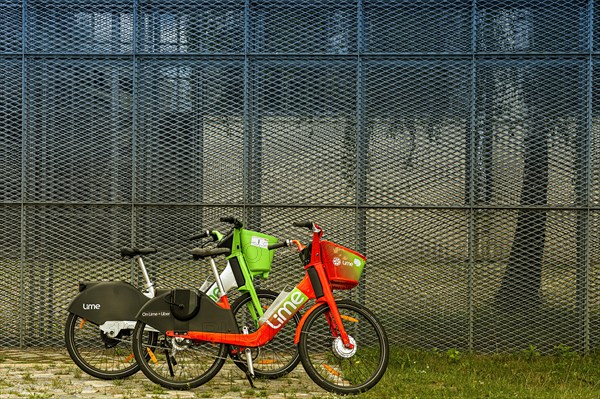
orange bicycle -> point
(342, 345)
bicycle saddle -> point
(131, 252)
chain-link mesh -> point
(418, 26)
(79, 26)
(11, 22)
(417, 119)
(180, 26)
(10, 130)
(78, 145)
(182, 154)
(10, 275)
(303, 27)
(453, 142)
(304, 112)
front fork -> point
(334, 319)
(336, 326)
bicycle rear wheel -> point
(176, 363)
(96, 353)
(280, 355)
(334, 367)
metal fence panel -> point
(417, 118)
(591, 296)
(79, 130)
(531, 125)
(303, 113)
(189, 131)
(407, 26)
(418, 281)
(303, 27)
(11, 35)
(79, 27)
(10, 275)
(453, 142)
(190, 27)
(65, 245)
(10, 130)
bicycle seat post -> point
(213, 266)
(149, 286)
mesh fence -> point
(453, 142)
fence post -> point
(23, 169)
(470, 173)
(582, 192)
(361, 150)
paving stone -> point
(50, 373)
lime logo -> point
(339, 262)
(214, 294)
(91, 306)
(287, 309)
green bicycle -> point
(102, 316)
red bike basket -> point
(342, 265)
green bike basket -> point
(254, 247)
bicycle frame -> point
(314, 285)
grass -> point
(453, 374)
(531, 372)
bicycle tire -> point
(97, 354)
(335, 368)
(275, 359)
(188, 366)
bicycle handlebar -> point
(234, 221)
(204, 234)
(307, 224)
(281, 244)
(201, 253)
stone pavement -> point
(50, 373)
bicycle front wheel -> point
(177, 363)
(329, 363)
(96, 353)
(280, 355)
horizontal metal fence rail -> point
(455, 142)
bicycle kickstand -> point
(250, 370)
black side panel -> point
(107, 300)
(314, 280)
(210, 318)
(213, 318)
(237, 271)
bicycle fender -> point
(102, 301)
(303, 319)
